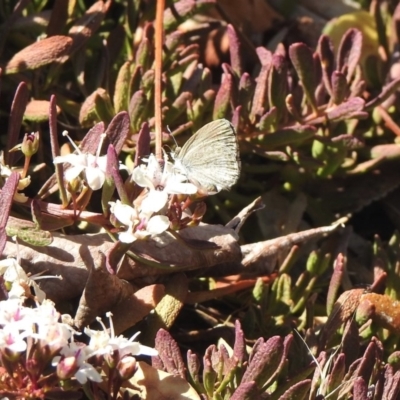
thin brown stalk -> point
(159, 34)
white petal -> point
(157, 224)
(101, 162)
(71, 173)
(154, 201)
(95, 177)
(15, 272)
(73, 159)
(139, 176)
(180, 188)
(126, 237)
(124, 213)
(147, 351)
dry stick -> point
(159, 35)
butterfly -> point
(210, 159)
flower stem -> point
(158, 76)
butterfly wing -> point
(211, 156)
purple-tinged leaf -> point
(137, 107)
(277, 85)
(339, 87)
(169, 353)
(172, 41)
(182, 10)
(18, 106)
(209, 375)
(292, 135)
(264, 55)
(178, 107)
(298, 391)
(336, 375)
(342, 311)
(200, 107)
(223, 98)
(117, 131)
(193, 82)
(360, 389)
(292, 107)
(239, 347)
(317, 69)
(177, 12)
(387, 91)
(327, 59)
(235, 121)
(6, 197)
(391, 388)
(348, 141)
(121, 94)
(353, 108)
(234, 50)
(264, 361)
(358, 88)
(91, 141)
(259, 104)
(206, 80)
(135, 81)
(142, 143)
(247, 391)
(349, 52)
(339, 266)
(85, 27)
(38, 54)
(113, 180)
(268, 120)
(372, 355)
(246, 90)
(317, 376)
(194, 366)
(303, 62)
(55, 151)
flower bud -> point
(30, 144)
(127, 367)
(67, 368)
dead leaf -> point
(152, 384)
(74, 256)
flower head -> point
(139, 226)
(73, 363)
(94, 166)
(161, 180)
(105, 342)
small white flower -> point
(12, 339)
(75, 355)
(94, 166)
(138, 227)
(161, 180)
(13, 273)
(105, 342)
(13, 312)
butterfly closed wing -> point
(210, 158)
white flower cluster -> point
(160, 180)
(22, 327)
(146, 219)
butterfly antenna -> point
(173, 137)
